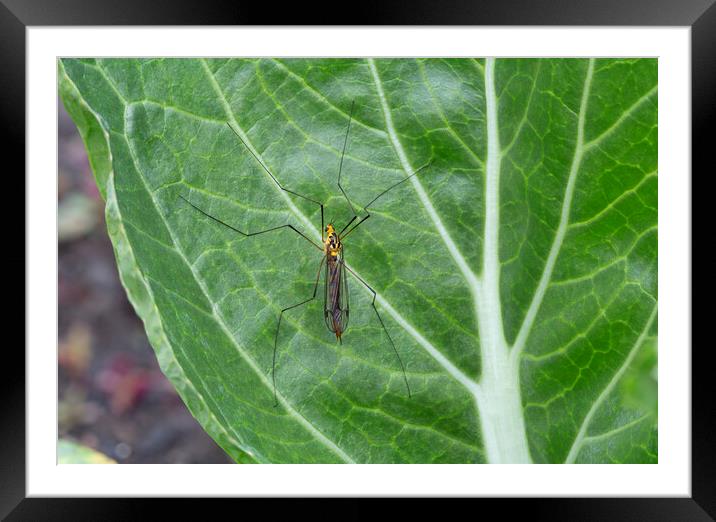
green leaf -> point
(516, 275)
(69, 452)
(93, 134)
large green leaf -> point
(516, 275)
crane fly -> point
(336, 308)
(336, 303)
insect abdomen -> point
(336, 302)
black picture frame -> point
(699, 15)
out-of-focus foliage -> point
(69, 452)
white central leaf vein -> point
(499, 402)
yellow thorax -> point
(333, 244)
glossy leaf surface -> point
(517, 274)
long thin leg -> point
(275, 340)
(249, 234)
(375, 198)
(340, 168)
(274, 177)
(383, 325)
(342, 235)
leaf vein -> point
(625, 116)
(467, 272)
(419, 338)
(222, 323)
(579, 439)
(541, 289)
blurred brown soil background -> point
(112, 395)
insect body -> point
(336, 308)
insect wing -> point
(336, 306)
(345, 297)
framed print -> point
(527, 183)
